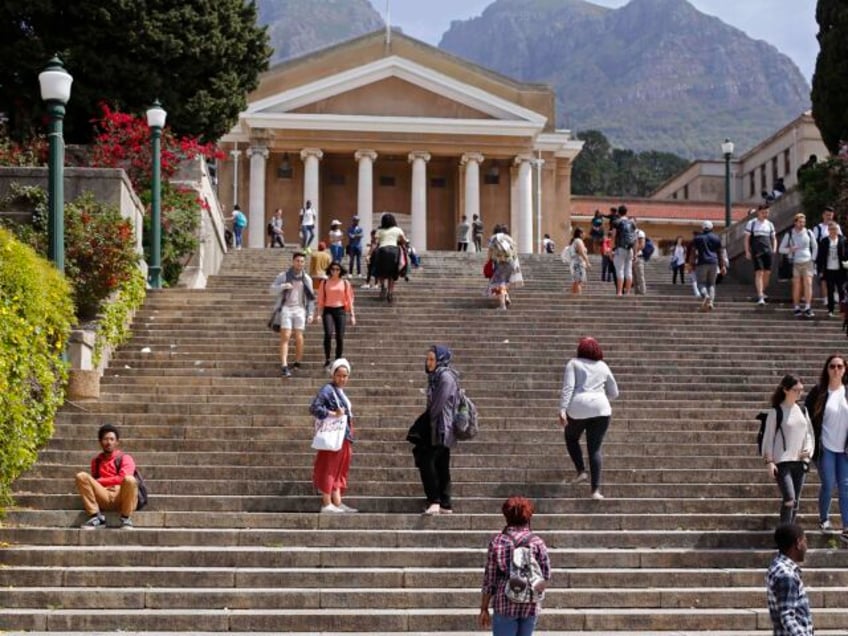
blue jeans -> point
(307, 233)
(510, 626)
(833, 471)
(355, 259)
(237, 230)
(337, 252)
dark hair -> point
(578, 233)
(500, 228)
(786, 535)
(622, 210)
(678, 239)
(107, 428)
(786, 383)
(517, 511)
(387, 221)
(824, 380)
(342, 270)
(296, 254)
(588, 347)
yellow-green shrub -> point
(36, 313)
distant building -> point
(387, 123)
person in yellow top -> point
(319, 261)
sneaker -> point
(126, 523)
(432, 509)
(445, 511)
(285, 371)
(797, 311)
(327, 365)
(346, 508)
(331, 509)
(581, 477)
(296, 364)
(808, 313)
(94, 523)
(597, 495)
(761, 302)
(366, 286)
(831, 314)
(826, 527)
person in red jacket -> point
(111, 485)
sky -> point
(789, 25)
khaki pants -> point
(95, 497)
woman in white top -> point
(576, 258)
(678, 260)
(587, 388)
(336, 236)
(390, 240)
(828, 409)
(787, 449)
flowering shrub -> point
(180, 222)
(32, 153)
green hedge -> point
(36, 313)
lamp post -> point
(55, 83)
(727, 150)
(156, 121)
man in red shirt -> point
(111, 485)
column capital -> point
(418, 154)
(468, 157)
(365, 154)
(235, 154)
(258, 150)
(519, 159)
(311, 152)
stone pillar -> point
(311, 157)
(523, 232)
(472, 161)
(365, 193)
(256, 204)
(418, 209)
(235, 154)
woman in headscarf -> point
(587, 388)
(432, 451)
(331, 468)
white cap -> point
(340, 362)
(335, 222)
(707, 225)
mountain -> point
(297, 27)
(654, 74)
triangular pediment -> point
(453, 98)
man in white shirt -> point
(800, 245)
(760, 244)
(308, 215)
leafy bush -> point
(113, 325)
(181, 211)
(36, 312)
(99, 252)
(825, 183)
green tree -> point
(199, 57)
(830, 81)
(593, 167)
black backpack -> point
(762, 415)
(142, 487)
(626, 234)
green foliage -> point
(830, 81)
(113, 324)
(199, 57)
(28, 199)
(181, 210)
(35, 321)
(99, 252)
(825, 183)
(601, 170)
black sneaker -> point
(327, 365)
(286, 372)
(94, 523)
(808, 313)
(295, 365)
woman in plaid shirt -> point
(513, 619)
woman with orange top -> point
(335, 301)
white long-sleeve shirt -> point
(795, 428)
(805, 246)
(587, 388)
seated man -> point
(111, 485)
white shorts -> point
(293, 318)
(623, 261)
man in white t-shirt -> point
(308, 215)
(800, 245)
(820, 232)
(760, 244)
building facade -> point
(385, 123)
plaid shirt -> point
(496, 573)
(788, 604)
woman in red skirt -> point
(329, 474)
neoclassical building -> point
(385, 123)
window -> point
(774, 169)
(763, 177)
(787, 163)
(438, 182)
(686, 191)
(752, 183)
(674, 195)
(387, 182)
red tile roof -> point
(658, 209)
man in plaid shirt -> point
(789, 607)
(510, 617)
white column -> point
(256, 204)
(235, 154)
(418, 209)
(311, 157)
(472, 161)
(523, 232)
(365, 192)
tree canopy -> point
(830, 81)
(200, 58)
(601, 170)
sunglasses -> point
(836, 366)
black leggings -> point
(433, 464)
(677, 270)
(334, 318)
(834, 280)
(596, 428)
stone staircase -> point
(232, 540)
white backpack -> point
(525, 573)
